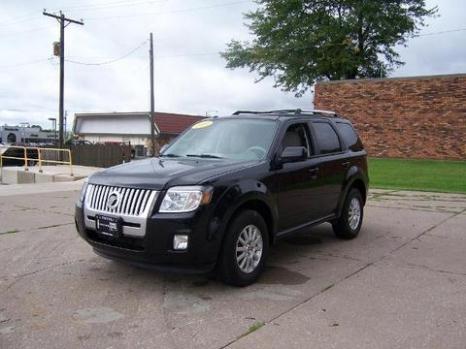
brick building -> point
(415, 117)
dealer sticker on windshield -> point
(202, 124)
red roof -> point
(169, 123)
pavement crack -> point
(169, 330)
(331, 286)
(15, 231)
(18, 278)
(27, 208)
(424, 232)
(323, 290)
(434, 269)
(327, 254)
(54, 226)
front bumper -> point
(155, 248)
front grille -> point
(131, 202)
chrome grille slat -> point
(125, 199)
(128, 202)
(103, 199)
(94, 195)
(142, 203)
(133, 202)
(97, 196)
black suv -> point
(225, 190)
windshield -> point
(237, 139)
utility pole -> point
(65, 121)
(152, 112)
(64, 22)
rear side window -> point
(326, 138)
(349, 136)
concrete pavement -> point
(400, 284)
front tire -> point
(245, 249)
(350, 221)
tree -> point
(299, 42)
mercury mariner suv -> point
(225, 190)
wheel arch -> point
(253, 200)
(260, 207)
(357, 182)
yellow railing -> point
(40, 157)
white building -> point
(25, 134)
(131, 127)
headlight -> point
(185, 199)
(83, 190)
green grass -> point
(13, 231)
(426, 175)
(254, 327)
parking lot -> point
(400, 284)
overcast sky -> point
(190, 76)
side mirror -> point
(291, 154)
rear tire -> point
(245, 249)
(348, 225)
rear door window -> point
(326, 138)
(349, 136)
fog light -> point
(180, 242)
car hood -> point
(158, 173)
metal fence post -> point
(39, 151)
(25, 159)
(71, 162)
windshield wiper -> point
(206, 156)
(170, 155)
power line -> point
(22, 18)
(24, 31)
(110, 5)
(171, 11)
(36, 61)
(441, 32)
(116, 4)
(111, 60)
(211, 53)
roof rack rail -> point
(287, 111)
(238, 112)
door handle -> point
(313, 171)
(346, 164)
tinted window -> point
(326, 138)
(349, 136)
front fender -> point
(237, 195)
